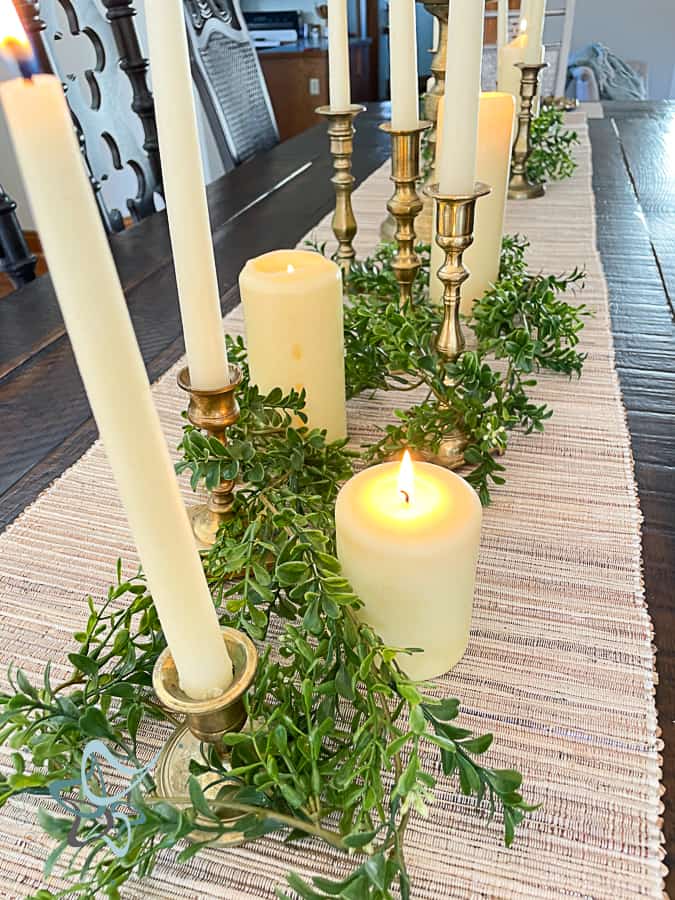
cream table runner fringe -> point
(560, 665)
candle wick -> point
(406, 496)
(26, 69)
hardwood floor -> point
(634, 183)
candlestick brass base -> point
(520, 186)
(405, 203)
(206, 721)
(341, 134)
(214, 411)
(455, 217)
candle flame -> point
(290, 269)
(523, 26)
(406, 479)
(14, 43)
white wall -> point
(642, 31)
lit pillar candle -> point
(185, 195)
(495, 140)
(405, 103)
(338, 55)
(456, 168)
(96, 317)
(508, 76)
(409, 548)
(294, 331)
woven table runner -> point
(560, 666)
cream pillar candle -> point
(409, 550)
(508, 76)
(405, 103)
(185, 195)
(95, 313)
(338, 55)
(495, 140)
(293, 314)
(456, 167)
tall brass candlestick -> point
(405, 203)
(455, 216)
(206, 721)
(520, 186)
(214, 411)
(341, 134)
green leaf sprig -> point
(522, 319)
(551, 158)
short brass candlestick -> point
(214, 411)
(520, 186)
(455, 216)
(341, 134)
(206, 721)
(405, 203)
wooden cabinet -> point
(297, 80)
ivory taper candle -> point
(456, 168)
(103, 341)
(338, 56)
(294, 333)
(405, 103)
(185, 195)
(495, 140)
(502, 23)
(534, 14)
(408, 543)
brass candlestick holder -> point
(341, 134)
(405, 203)
(455, 216)
(520, 186)
(214, 411)
(423, 226)
(432, 98)
(206, 721)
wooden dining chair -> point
(229, 80)
(16, 259)
(109, 98)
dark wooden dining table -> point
(275, 199)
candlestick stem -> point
(206, 721)
(214, 411)
(405, 204)
(455, 217)
(520, 186)
(341, 133)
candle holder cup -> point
(405, 203)
(455, 217)
(520, 186)
(206, 722)
(214, 411)
(341, 134)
